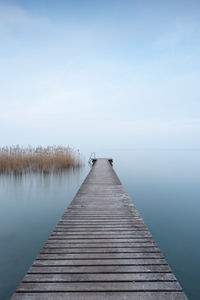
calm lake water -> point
(164, 185)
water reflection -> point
(164, 185)
(31, 206)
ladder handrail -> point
(92, 156)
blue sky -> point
(113, 74)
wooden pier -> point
(100, 249)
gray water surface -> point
(31, 206)
(164, 185)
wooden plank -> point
(100, 240)
(100, 249)
(101, 214)
(136, 244)
(99, 277)
(99, 286)
(100, 269)
(103, 211)
(108, 222)
(97, 225)
(99, 218)
(170, 295)
(100, 233)
(98, 236)
(99, 262)
(101, 229)
(100, 256)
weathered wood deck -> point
(100, 249)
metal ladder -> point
(90, 160)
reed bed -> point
(19, 160)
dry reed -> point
(19, 160)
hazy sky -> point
(113, 74)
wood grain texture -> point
(100, 249)
(99, 286)
(159, 295)
(111, 277)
